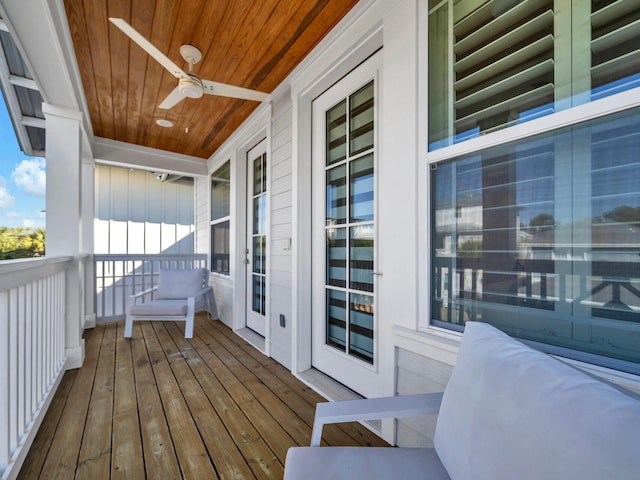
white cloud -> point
(6, 199)
(30, 176)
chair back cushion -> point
(177, 284)
(510, 412)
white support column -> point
(64, 207)
(87, 240)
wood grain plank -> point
(283, 413)
(257, 453)
(126, 458)
(158, 453)
(80, 37)
(191, 451)
(158, 82)
(228, 461)
(95, 452)
(32, 466)
(215, 384)
(62, 457)
(356, 433)
(98, 35)
(258, 414)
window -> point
(548, 241)
(496, 63)
(220, 218)
(538, 236)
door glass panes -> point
(336, 273)
(361, 258)
(361, 327)
(361, 189)
(541, 237)
(259, 294)
(336, 195)
(349, 225)
(336, 147)
(512, 61)
(361, 120)
(336, 309)
(259, 233)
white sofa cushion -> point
(354, 463)
(511, 412)
(176, 284)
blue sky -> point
(22, 180)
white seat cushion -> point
(511, 412)
(160, 308)
(332, 463)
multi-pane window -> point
(349, 224)
(496, 63)
(259, 234)
(220, 218)
(539, 236)
(547, 244)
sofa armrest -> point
(373, 408)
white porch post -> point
(87, 207)
(64, 225)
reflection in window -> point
(496, 63)
(541, 237)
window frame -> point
(568, 117)
(220, 221)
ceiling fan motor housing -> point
(190, 86)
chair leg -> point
(128, 326)
(191, 307)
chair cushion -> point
(326, 463)
(509, 411)
(174, 284)
(160, 308)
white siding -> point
(418, 374)
(281, 230)
(136, 213)
(202, 194)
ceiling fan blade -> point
(172, 99)
(148, 47)
(224, 90)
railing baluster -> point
(5, 380)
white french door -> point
(344, 323)
(256, 250)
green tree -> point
(21, 243)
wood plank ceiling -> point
(248, 43)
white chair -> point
(173, 298)
(508, 412)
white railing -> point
(118, 276)
(32, 350)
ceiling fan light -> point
(190, 87)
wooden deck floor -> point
(160, 406)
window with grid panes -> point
(539, 236)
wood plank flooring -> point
(161, 406)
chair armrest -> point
(373, 408)
(133, 296)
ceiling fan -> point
(189, 84)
